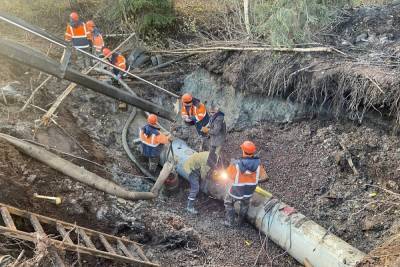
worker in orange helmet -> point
(118, 60)
(244, 175)
(78, 34)
(152, 141)
(96, 37)
(194, 112)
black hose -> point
(128, 150)
(124, 135)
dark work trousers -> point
(194, 180)
(214, 158)
(229, 203)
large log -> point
(38, 60)
(82, 175)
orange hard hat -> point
(187, 98)
(106, 51)
(74, 16)
(248, 147)
(152, 119)
(90, 24)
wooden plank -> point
(7, 218)
(67, 226)
(63, 233)
(36, 224)
(107, 245)
(39, 229)
(124, 249)
(86, 239)
(98, 253)
(138, 250)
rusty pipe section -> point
(35, 59)
(301, 237)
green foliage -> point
(287, 22)
(145, 15)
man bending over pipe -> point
(244, 174)
(152, 141)
(196, 166)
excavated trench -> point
(305, 162)
(306, 149)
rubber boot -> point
(229, 218)
(242, 214)
(190, 207)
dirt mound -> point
(308, 169)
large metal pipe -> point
(35, 59)
(301, 237)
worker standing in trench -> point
(119, 61)
(152, 141)
(194, 112)
(216, 130)
(244, 175)
(79, 35)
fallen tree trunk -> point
(74, 171)
(84, 176)
(37, 60)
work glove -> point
(171, 138)
(186, 118)
(205, 130)
(117, 77)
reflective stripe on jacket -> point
(78, 34)
(245, 174)
(196, 109)
(152, 140)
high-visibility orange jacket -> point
(118, 60)
(78, 34)
(96, 37)
(245, 174)
(152, 140)
(196, 111)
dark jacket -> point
(217, 129)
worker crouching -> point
(152, 141)
(245, 174)
(118, 61)
(194, 112)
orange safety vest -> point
(79, 35)
(245, 181)
(245, 178)
(118, 61)
(154, 139)
(197, 109)
(98, 42)
(96, 37)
